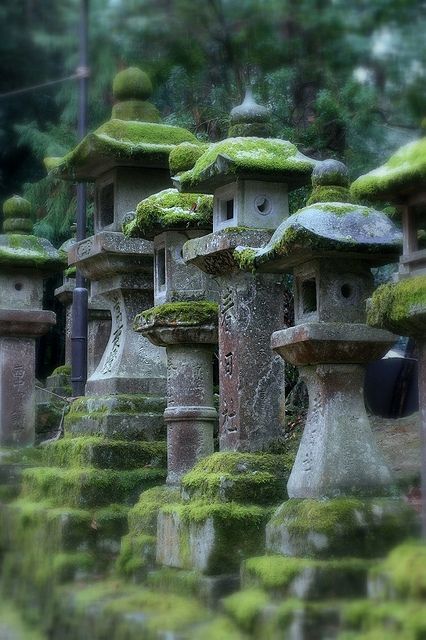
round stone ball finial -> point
(331, 173)
(17, 213)
(132, 84)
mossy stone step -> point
(211, 537)
(38, 524)
(88, 487)
(142, 517)
(116, 611)
(402, 574)
(307, 579)
(246, 478)
(94, 451)
(253, 612)
(393, 620)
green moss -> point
(405, 170)
(17, 207)
(405, 570)
(329, 194)
(135, 110)
(18, 225)
(240, 477)
(219, 628)
(168, 210)
(405, 621)
(63, 370)
(51, 163)
(250, 129)
(344, 527)
(184, 156)
(261, 156)
(71, 272)
(399, 307)
(143, 516)
(123, 140)
(87, 487)
(29, 252)
(245, 258)
(245, 607)
(137, 553)
(132, 84)
(94, 451)
(12, 625)
(179, 313)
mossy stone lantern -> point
(183, 320)
(401, 306)
(127, 159)
(330, 248)
(250, 178)
(25, 262)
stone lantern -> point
(401, 306)
(250, 178)
(127, 159)
(184, 320)
(25, 261)
(330, 248)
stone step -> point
(246, 478)
(94, 451)
(120, 417)
(210, 537)
(131, 612)
(285, 577)
(88, 487)
(59, 529)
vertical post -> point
(80, 295)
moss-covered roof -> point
(402, 174)
(122, 142)
(247, 157)
(185, 155)
(400, 306)
(169, 210)
(17, 250)
(325, 228)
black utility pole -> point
(80, 295)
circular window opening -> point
(263, 205)
(346, 290)
(18, 286)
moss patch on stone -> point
(19, 250)
(400, 306)
(377, 621)
(63, 370)
(252, 478)
(245, 607)
(143, 515)
(137, 554)
(135, 110)
(405, 570)
(185, 155)
(87, 487)
(169, 210)
(131, 84)
(123, 140)
(250, 154)
(329, 194)
(404, 170)
(341, 527)
(179, 313)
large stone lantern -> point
(127, 159)
(183, 320)
(250, 178)
(330, 248)
(25, 262)
(401, 306)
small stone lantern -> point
(250, 178)
(184, 320)
(330, 248)
(25, 261)
(401, 306)
(127, 158)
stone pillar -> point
(251, 376)
(64, 295)
(26, 260)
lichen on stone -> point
(169, 210)
(192, 313)
(402, 172)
